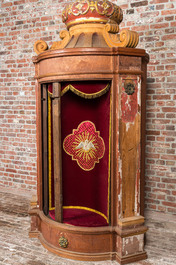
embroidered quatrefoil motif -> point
(85, 145)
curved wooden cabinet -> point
(124, 69)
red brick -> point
(171, 210)
(173, 24)
(6, 4)
(169, 37)
(161, 185)
(172, 204)
(168, 12)
(158, 1)
(169, 109)
(152, 206)
(153, 155)
(139, 3)
(162, 97)
(160, 73)
(170, 67)
(152, 132)
(162, 209)
(171, 198)
(167, 180)
(159, 7)
(48, 18)
(170, 18)
(170, 186)
(20, 2)
(160, 25)
(161, 197)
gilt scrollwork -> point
(111, 28)
(117, 15)
(65, 36)
(129, 38)
(40, 46)
(126, 38)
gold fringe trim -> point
(85, 95)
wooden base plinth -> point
(131, 258)
(88, 243)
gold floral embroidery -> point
(85, 145)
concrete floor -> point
(17, 248)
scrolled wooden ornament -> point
(128, 38)
(65, 36)
(40, 46)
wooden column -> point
(45, 148)
(57, 151)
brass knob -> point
(129, 88)
(63, 242)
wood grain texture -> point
(85, 243)
(39, 143)
(129, 153)
(134, 220)
(57, 151)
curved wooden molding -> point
(100, 238)
(40, 46)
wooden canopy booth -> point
(90, 89)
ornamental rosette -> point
(85, 145)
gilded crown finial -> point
(92, 23)
(86, 11)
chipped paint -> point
(132, 244)
(137, 186)
(130, 108)
(129, 103)
(137, 194)
(139, 90)
(119, 164)
(119, 188)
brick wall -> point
(25, 21)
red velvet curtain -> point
(85, 125)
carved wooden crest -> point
(91, 24)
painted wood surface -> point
(57, 151)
